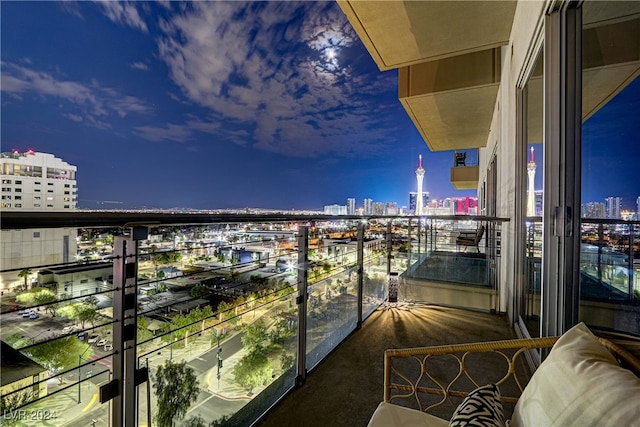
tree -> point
(60, 354)
(25, 275)
(176, 388)
(79, 312)
(39, 296)
(253, 370)
(254, 336)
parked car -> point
(101, 342)
(69, 329)
(93, 338)
(108, 347)
(33, 315)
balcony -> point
(193, 286)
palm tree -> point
(25, 274)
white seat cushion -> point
(390, 415)
(579, 384)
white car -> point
(69, 329)
(108, 347)
(93, 338)
(101, 342)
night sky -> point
(211, 105)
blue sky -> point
(209, 105)
(230, 104)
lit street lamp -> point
(79, 371)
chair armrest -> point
(423, 380)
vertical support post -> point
(301, 301)
(409, 255)
(600, 246)
(562, 168)
(360, 272)
(631, 254)
(419, 231)
(389, 242)
(125, 304)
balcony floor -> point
(346, 388)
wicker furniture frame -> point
(412, 389)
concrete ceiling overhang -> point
(402, 33)
(451, 101)
(448, 56)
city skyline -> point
(210, 105)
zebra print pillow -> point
(481, 408)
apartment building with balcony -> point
(500, 77)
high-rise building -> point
(377, 208)
(367, 206)
(33, 182)
(612, 207)
(413, 198)
(391, 208)
(638, 206)
(595, 210)
(351, 206)
(531, 197)
(335, 210)
(419, 178)
(37, 182)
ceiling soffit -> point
(401, 33)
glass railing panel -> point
(331, 313)
(609, 287)
(200, 289)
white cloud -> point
(257, 65)
(139, 66)
(74, 117)
(94, 102)
(122, 12)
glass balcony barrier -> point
(453, 261)
(234, 313)
(609, 271)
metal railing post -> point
(631, 255)
(301, 301)
(125, 304)
(389, 248)
(360, 272)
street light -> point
(80, 373)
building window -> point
(50, 183)
(6, 189)
(36, 234)
(37, 183)
(66, 206)
(37, 190)
(49, 191)
(19, 182)
(6, 181)
(18, 190)
(66, 192)
(18, 205)
(66, 186)
(84, 281)
(6, 197)
(49, 198)
(36, 198)
(6, 205)
(36, 205)
(18, 197)
(49, 206)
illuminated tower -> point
(531, 197)
(419, 177)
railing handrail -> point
(103, 219)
